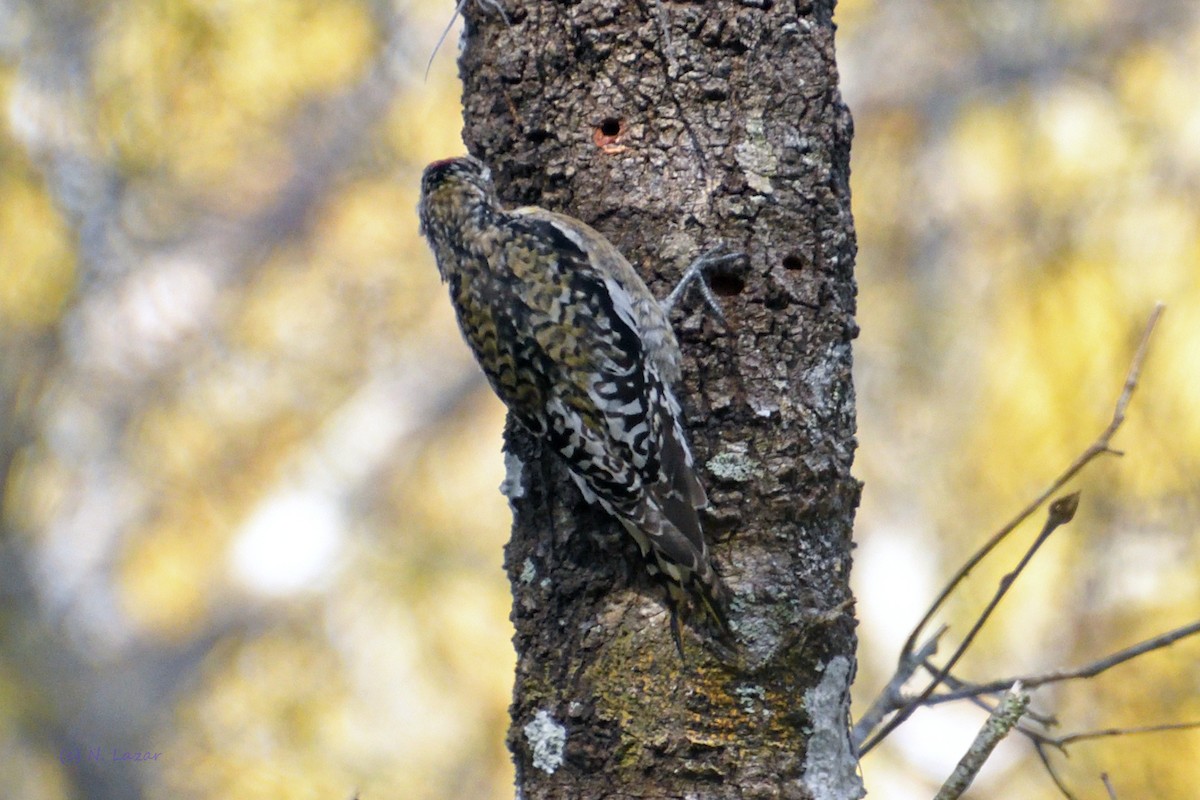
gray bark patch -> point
(830, 768)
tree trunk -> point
(673, 127)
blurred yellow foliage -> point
(421, 126)
(202, 89)
(269, 723)
(167, 580)
(988, 152)
(36, 258)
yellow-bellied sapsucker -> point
(583, 356)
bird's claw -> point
(695, 274)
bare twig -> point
(1040, 749)
(1108, 787)
(1035, 736)
(1096, 448)
(1041, 742)
(998, 725)
(963, 689)
(1082, 736)
(458, 10)
(1087, 671)
(1061, 512)
(1102, 444)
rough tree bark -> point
(672, 127)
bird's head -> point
(454, 191)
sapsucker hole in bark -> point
(794, 261)
(608, 134)
(726, 284)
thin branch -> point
(1096, 448)
(1035, 736)
(1099, 446)
(1041, 741)
(1040, 749)
(1061, 512)
(963, 689)
(458, 10)
(1083, 736)
(1108, 787)
(1087, 671)
(998, 725)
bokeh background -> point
(250, 508)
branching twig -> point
(1061, 512)
(1063, 741)
(957, 685)
(1042, 741)
(890, 697)
(1087, 671)
(1040, 749)
(1096, 448)
(998, 725)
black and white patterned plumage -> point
(583, 355)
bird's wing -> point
(493, 325)
(610, 402)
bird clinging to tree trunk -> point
(583, 355)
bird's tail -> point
(683, 562)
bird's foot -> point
(695, 273)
